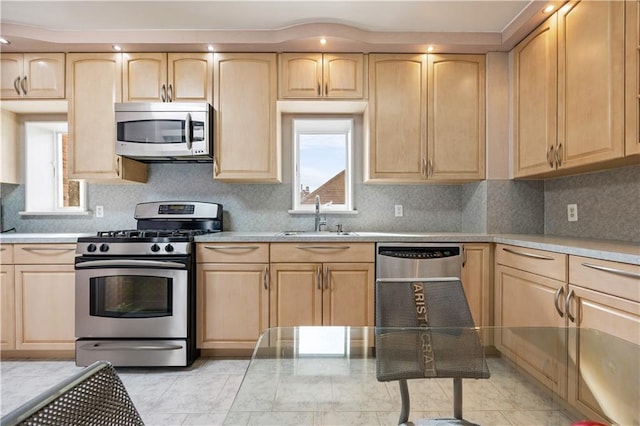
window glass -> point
(322, 157)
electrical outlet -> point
(99, 211)
(399, 212)
(572, 212)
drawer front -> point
(540, 262)
(34, 254)
(6, 254)
(232, 253)
(322, 252)
(614, 278)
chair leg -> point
(457, 398)
(406, 405)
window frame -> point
(327, 125)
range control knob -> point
(91, 248)
(104, 247)
(155, 248)
(168, 248)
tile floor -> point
(204, 393)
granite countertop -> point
(619, 251)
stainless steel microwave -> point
(164, 131)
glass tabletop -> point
(336, 375)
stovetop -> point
(137, 234)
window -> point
(322, 156)
(48, 190)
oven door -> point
(132, 298)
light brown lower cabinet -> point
(476, 281)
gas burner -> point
(153, 233)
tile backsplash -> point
(608, 205)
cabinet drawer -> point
(6, 254)
(44, 253)
(545, 263)
(232, 253)
(614, 278)
(322, 252)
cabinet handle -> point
(163, 93)
(15, 85)
(232, 247)
(319, 89)
(556, 298)
(464, 257)
(23, 85)
(557, 155)
(567, 302)
(215, 166)
(170, 93)
(118, 166)
(37, 249)
(430, 168)
(325, 277)
(612, 270)
(549, 158)
(525, 254)
(323, 247)
(424, 167)
(265, 278)
(326, 89)
(319, 278)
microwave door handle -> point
(187, 130)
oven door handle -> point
(136, 347)
(131, 262)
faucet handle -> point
(338, 227)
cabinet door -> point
(45, 307)
(44, 75)
(348, 295)
(456, 123)
(535, 107)
(301, 75)
(144, 77)
(233, 305)
(523, 299)
(476, 281)
(604, 364)
(632, 78)
(190, 77)
(7, 308)
(246, 148)
(591, 83)
(94, 84)
(397, 146)
(295, 294)
(343, 75)
(11, 65)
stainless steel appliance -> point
(136, 290)
(164, 131)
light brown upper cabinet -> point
(632, 77)
(94, 84)
(32, 75)
(321, 75)
(589, 42)
(172, 77)
(426, 118)
(246, 148)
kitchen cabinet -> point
(44, 283)
(7, 299)
(10, 170)
(94, 83)
(167, 77)
(528, 287)
(588, 39)
(246, 148)
(328, 284)
(233, 294)
(321, 75)
(456, 117)
(426, 118)
(632, 78)
(476, 281)
(605, 296)
(32, 75)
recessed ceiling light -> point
(116, 48)
(4, 41)
(210, 48)
(323, 41)
(430, 49)
(548, 9)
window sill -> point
(323, 212)
(56, 213)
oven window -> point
(159, 131)
(131, 296)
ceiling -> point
(471, 26)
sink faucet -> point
(319, 223)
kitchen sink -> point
(314, 234)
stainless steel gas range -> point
(136, 290)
